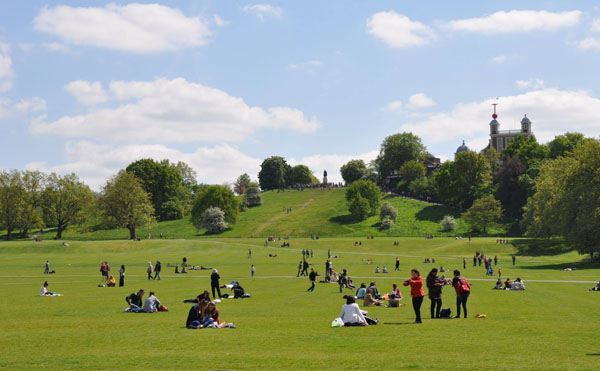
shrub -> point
(213, 220)
(253, 197)
(359, 207)
(366, 190)
(388, 211)
(386, 223)
(448, 223)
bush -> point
(253, 197)
(368, 191)
(215, 196)
(386, 223)
(171, 210)
(359, 207)
(213, 220)
(448, 223)
(388, 211)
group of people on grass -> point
(150, 305)
(517, 285)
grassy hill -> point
(314, 211)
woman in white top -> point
(352, 315)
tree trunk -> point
(24, 233)
(8, 233)
(59, 232)
(131, 232)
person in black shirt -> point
(397, 265)
(214, 283)
(304, 269)
(313, 278)
(434, 284)
(135, 300)
(157, 269)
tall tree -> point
(360, 191)
(125, 203)
(398, 149)
(12, 201)
(353, 170)
(464, 180)
(299, 174)
(510, 190)
(66, 201)
(409, 171)
(527, 148)
(273, 173)
(484, 211)
(563, 145)
(215, 196)
(242, 183)
(31, 214)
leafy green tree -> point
(299, 174)
(241, 184)
(563, 145)
(367, 190)
(187, 173)
(398, 149)
(353, 170)
(492, 156)
(213, 220)
(424, 188)
(527, 148)
(12, 201)
(66, 201)
(484, 212)
(31, 213)
(386, 223)
(359, 207)
(388, 211)
(273, 173)
(411, 170)
(448, 223)
(161, 180)
(253, 197)
(464, 180)
(215, 196)
(510, 190)
(125, 204)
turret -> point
(526, 126)
(494, 124)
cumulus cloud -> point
(96, 163)
(309, 66)
(517, 21)
(552, 112)
(172, 111)
(261, 11)
(331, 163)
(499, 59)
(398, 31)
(419, 100)
(140, 28)
(530, 84)
(394, 106)
(219, 22)
(6, 71)
(10, 109)
(589, 43)
(87, 93)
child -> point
(252, 270)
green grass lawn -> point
(316, 211)
(552, 325)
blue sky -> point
(88, 87)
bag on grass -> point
(445, 313)
(337, 322)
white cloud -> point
(596, 25)
(552, 112)
(219, 22)
(35, 104)
(499, 59)
(87, 93)
(398, 31)
(56, 47)
(305, 66)
(394, 106)
(96, 163)
(331, 163)
(589, 43)
(140, 28)
(530, 84)
(264, 10)
(517, 21)
(174, 111)
(419, 100)
(6, 71)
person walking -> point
(495, 260)
(122, 276)
(327, 273)
(434, 286)
(252, 270)
(304, 269)
(514, 259)
(149, 270)
(47, 267)
(249, 254)
(299, 268)
(311, 253)
(397, 264)
(157, 269)
(214, 283)
(313, 279)
(328, 253)
(463, 290)
(416, 291)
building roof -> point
(462, 148)
(525, 120)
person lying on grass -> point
(596, 288)
(352, 315)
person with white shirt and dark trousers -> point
(352, 315)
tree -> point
(510, 190)
(353, 170)
(161, 180)
(464, 180)
(66, 201)
(272, 173)
(359, 207)
(213, 220)
(366, 190)
(12, 201)
(386, 223)
(563, 145)
(448, 223)
(398, 149)
(527, 148)
(388, 211)
(215, 196)
(484, 211)
(424, 188)
(409, 171)
(125, 203)
(299, 175)
(188, 175)
(241, 184)
(31, 213)
(253, 197)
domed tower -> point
(526, 126)
(462, 148)
(494, 124)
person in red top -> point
(463, 290)
(416, 291)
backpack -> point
(445, 313)
(464, 285)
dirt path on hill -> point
(277, 217)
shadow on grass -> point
(343, 219)
(560, 266)
(540, 247)
(435, 213)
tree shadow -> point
(540, 247)
(580, 265)
(436, 213)
(343, 219)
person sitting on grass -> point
(384, 270)
(151, 304)
(498, 285)
(362, 291)
(343, 280)
(507, 284)
(518, 285)
(351, 314)
(111, 282)
(238, 290)
(375, 292)
(370, 301)
(395, 294)
(596, 288)
(205, 295)
(135, 301)
(44, 290)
